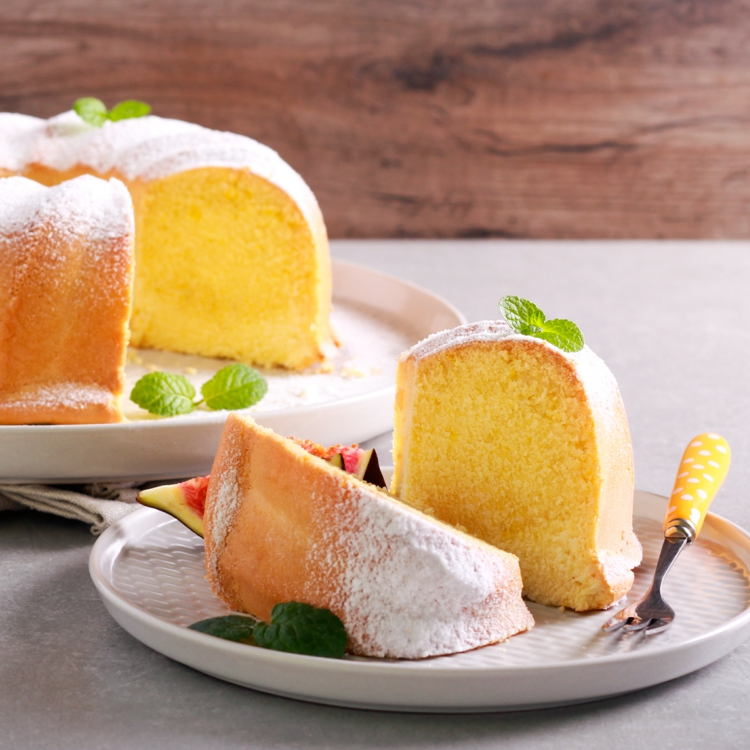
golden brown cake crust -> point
(282, 525)
(66, 266)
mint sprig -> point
(236, 628)
(526, 318)
(94, 111)
(295, 628)
(234, 387)
(302, 629)
(166, 394)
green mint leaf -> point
(522, 316)
(562, 334)
(302, 629)
(91, 110)
(164, 394)
(128, 110)
(526, 318)
(234, 387)
(230, 627)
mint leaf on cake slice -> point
(526, 318)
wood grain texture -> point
(434, 118)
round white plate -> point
(149, 571)
(376, 316)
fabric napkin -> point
(98, 505)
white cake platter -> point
(149, 572)
(376, 317)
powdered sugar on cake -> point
(62, 395)
(145, 148)
(408, 586)
(83, 207)
(228, 500)
(599, 383)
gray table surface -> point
(672, 320)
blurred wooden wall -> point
(434, 118)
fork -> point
(702, 470)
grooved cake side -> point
(66, 276)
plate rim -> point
(738, 624)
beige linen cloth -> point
(98, 505)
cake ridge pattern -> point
(66, 268)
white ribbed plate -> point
(378, 316)
(148, 569)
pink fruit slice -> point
(185, 501)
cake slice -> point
(283, 525)
(66, 277)
(528, 448)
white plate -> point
(149, 571)
(377, 316)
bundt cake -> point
(66, 277)
(282, 525)
(528, 448)
(231, 250)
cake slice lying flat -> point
(282, 525)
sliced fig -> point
(185, 501)
(368, 469)
(336, 460)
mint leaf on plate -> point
(164, 393)
(236, 628)
(91, 110)
(302, 629)
(127, 110)
(526, 318)
(234, 387)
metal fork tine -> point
(658, 626)
(638, 625)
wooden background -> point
(434, 118)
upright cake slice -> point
(528, 448)
(66, 276)
(282, 525)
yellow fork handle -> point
(702, 470)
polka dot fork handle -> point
(702, 470)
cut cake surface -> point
(528, 448)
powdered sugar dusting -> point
(412, 587)
(86, 206)
(597, 380)
(222, 512)
(145, 148)
(62, 395)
